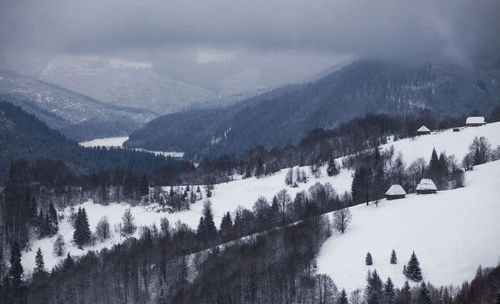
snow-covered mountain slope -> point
(76, 115)
(124, 83)
(452, 233)
(244, 192)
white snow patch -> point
(117, 142)
(105, 142)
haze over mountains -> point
(124, 83)
(288, 113)
(75, 115)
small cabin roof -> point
(423, 129)
(475, 120)
(426, 184)
(396, 190)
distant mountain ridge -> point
(75, 115)
(286, 114)
(124, 83)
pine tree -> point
(52, 212)
(33, 209)
(259, 168)
(361, 185)
(39, 263)
(81, 235)
(368, 259)
(69, 262)
(42, 225)
(211, 230)
(16, 269)
(342, 298)
(394, 258)
(404, 296)
(201, 231)
(144, 186)
(332, 168)
(389, 292)
(226, 227)
(413, 271)
(374, 288)
(424, 296)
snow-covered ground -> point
(456, 143)
(117, 142)
(452, 233)
(244, 192)
(105, 142)
(227, 197)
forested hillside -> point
(23, 136)
(285, 116)
(77, 116)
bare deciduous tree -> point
(341, 219)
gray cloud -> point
(275, 34)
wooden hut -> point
(475, 121)
(426, 186)
(423, 130)
(395, 192)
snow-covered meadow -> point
(452, 233)
(244, 192)
(117, 142)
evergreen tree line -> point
(275, 267)
(320, 146)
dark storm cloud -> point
(453, 29)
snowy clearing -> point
(456, 143)
(117, 142)
(452, 233)
(105, 142)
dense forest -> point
(23, 136)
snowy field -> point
(456, 143)
(452, 233)
(117, 142)
(244, 192)
(105, 142)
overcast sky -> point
(203, 40)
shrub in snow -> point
(289, 177)
(332, 168)
(128, 226)
(59, 246)
(102, 230)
